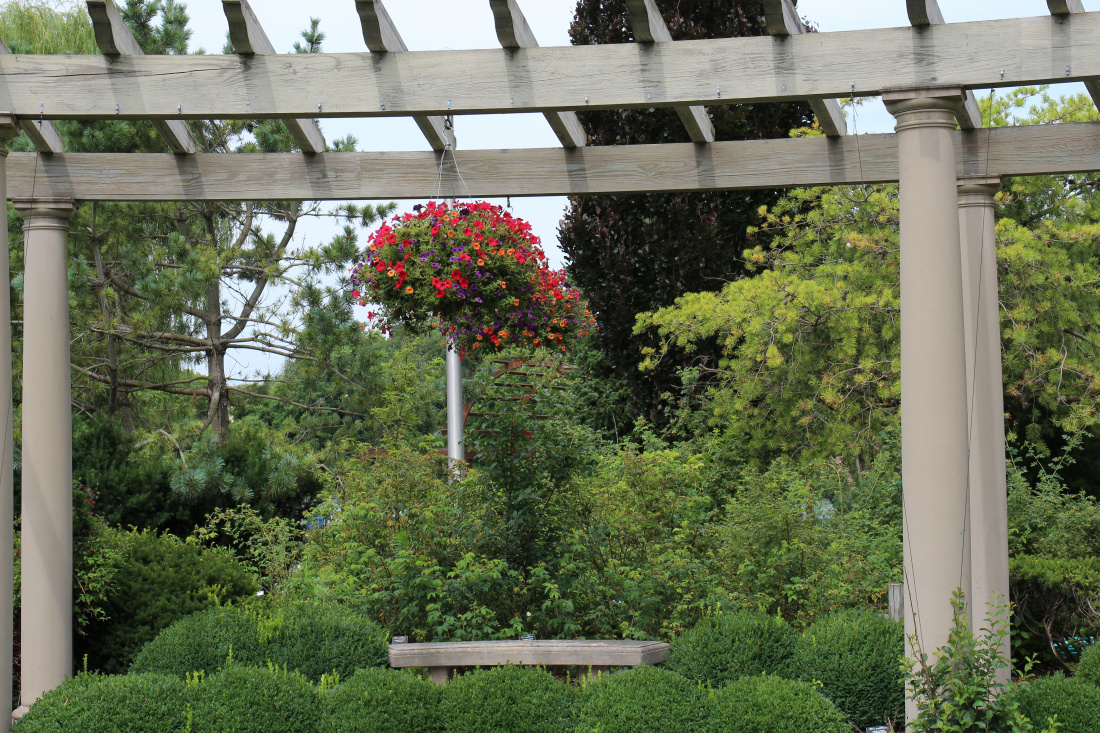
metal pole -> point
(456, 450)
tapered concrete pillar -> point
(933, 364)
(985, 398)
(47, 498)
(8, 130)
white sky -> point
(467, 24)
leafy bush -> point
(147, 703)
(1089, 668)
(856, 657)
(724, 648)
(308, 638)
(1076, 703)
(507, 699)
(242, 699)
(643, 700)
(770, 704)
(1054, 599)
(384, 700)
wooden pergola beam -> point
(43, 134)
(782, 21)
(382, 36)
(1030, 51)
(649, 27)
(1063, 9)
(924, 13)
(249, 39)
(819, 161)
(514, 33)
(116, 42)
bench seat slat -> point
(600, 653)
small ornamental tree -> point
(474, 272)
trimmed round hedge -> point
(312, 639)
(1089, 668)
(1076, 703)
(242, 699)
(384, 700)
(724, 648)
(643, 700)
(856, 657)
(507, 699)
(770, 704)
(146, 703)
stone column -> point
(933, 364)
(985, 399)
(8, 130)
(47, 547)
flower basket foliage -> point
(472, 271)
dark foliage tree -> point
(635, 253)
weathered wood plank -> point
(612, 76)
(382, 36)
(115, 40)
(1010, 151)
(43, 134)
(924, 13)
(1064, 8)
(829, 113)
(249, 39)
(649, 27)
(514, 32)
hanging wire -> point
(448, 125)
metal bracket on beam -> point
(248, 39)
(649, 27)
(781, 20)
(514, 32)
(924, 13)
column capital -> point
(9, 130)
(44, 209)
(926, 106)
(976, 190)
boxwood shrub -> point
(1089, 668)
(384, 700)
(724, 648)
(312, 639)
(242, 699)
(146, 703)
(643, 700)
(1076, 703)
(770, 704)
(507, 699)
(856, 657)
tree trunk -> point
(217, 414)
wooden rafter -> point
(1064, 8)
(514, 33)
(1030, 51)
(116, 42)
(249, 39)
(924, 13)
(43, 134)
(1007, 151)
(782, 21)
(649, 27)
(382, 37)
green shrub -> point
(147, 703)
(721, 649)
(507, 699)
(856, 657)
(643, 700)
(770, 704)
(1076, 703)
(242, 699)
(309, 638)
(384, 700)
(1089, 668)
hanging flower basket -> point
(472, 271)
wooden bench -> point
(441, 658)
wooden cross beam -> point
(782, 21)
(514, 33)
(1063, 9)
(924, 13)
(649, 27)
(382, 37)
(115, 41)
(249, 39)
(610, 169)
(43, 134)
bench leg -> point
(593, 671)
(440, 675)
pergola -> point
(952, 418)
